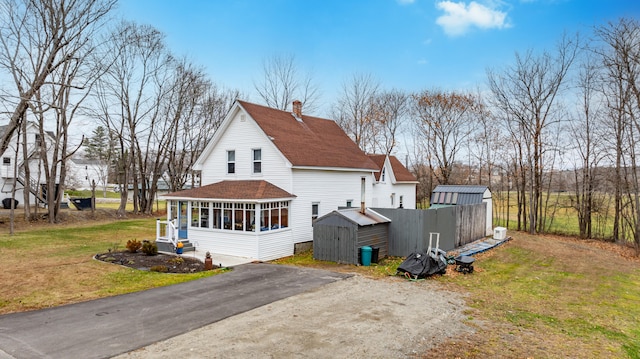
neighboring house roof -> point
(82, 161)
(400, 172)
(236, 190)
(3, 128)
(311, 142)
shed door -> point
(346, 245)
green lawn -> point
(559, 297)
(561, 217)
(535, 296)
(54, 265)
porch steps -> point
(168, 247)
(188, 246)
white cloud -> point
(459, 17)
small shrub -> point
(113, 248)
(176, 260)
(133, 245)
(160, 269)
(149, 248)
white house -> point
(81, 173)
(394, 186)
(267, 174)
(12, 168)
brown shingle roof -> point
(314, 142)
(249, 189)
(379, 161)
(400, 172)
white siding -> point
(275, 244)
(331, 189)
(243, 137)
(265, 246)
(383, 191)
(225, 242)
(408, 190)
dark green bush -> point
(149, 248)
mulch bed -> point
(159, 263)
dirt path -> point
(352, 318)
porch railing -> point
(166, 231)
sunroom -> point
(240, 218)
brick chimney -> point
(297, 109)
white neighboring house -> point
(12, 168)
(266, 175)
(395, 186)
(81, 173)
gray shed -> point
(339, 235)
(452, 195)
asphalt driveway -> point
(110, 326)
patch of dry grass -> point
(53, 264)
(550, 297)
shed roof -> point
(354, 216)
(458, 194)
(461, 188)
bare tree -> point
(282, 83)
(354, 109)
(620, 59)
(388, 113)
(129, 97)
(589, 146)
(527, 94)
(37, 37)
(444, 121)
(202, 107)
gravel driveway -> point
(352, 318)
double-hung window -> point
(257, 161)
(231, 161)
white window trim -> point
(229, 162)
(253, 161)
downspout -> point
(363, 183)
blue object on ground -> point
(366, 255)
(480, 246)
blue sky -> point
(405, 44)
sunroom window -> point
(240, 216)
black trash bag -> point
(421, 265)
(7, 202)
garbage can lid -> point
(366, 248)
